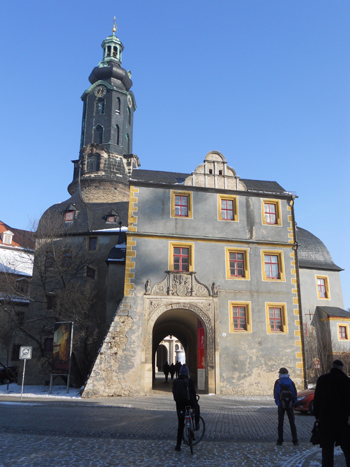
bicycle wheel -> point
(198, 434)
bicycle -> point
(191, 436)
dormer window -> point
(112, 219)
(69, 217)
(7, 237)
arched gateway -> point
(170, 310)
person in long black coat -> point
(332, 409)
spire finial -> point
(114, 26)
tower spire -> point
(114, 29)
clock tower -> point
(106, 160)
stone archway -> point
(179, 317)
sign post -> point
(25, 353)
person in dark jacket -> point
(181, 405)
(166, 369)
(332, 409)
(285, 383)
(172, 370)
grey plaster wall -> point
(154, 207)
(248, 361)
(309, 297)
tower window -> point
(108, 51)
(117, 109)
(93, 163)
(115, 52)
(98, 134)
(100, 106)
(129, 116)
(117, 133)
(128, 143)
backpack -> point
(286, 397)
(181, 390)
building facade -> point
(206, 257)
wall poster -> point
(62, 348)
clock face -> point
(129, 101)
(100, 91)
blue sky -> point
(265, 82)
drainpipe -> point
(295, 248)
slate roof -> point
(89, 216)
(262, 185)
(118, 252)
(157, 176)
(334, 311)
(313, 253)
(175, 178)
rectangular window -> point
(273, 267)
(181, 257)
(240, 317)
(92, 243)
(20, 317)
(237, 261)
(227, 208)
(49, 260)
(236, 264)
(181, 204)
(51, 301)
(69, 216)
(90, 273)
(276, 318)
(271, 212)
(15, 352)
(66, 258)
(306, 331)
(322, 287)
(343, 332)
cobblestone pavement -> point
(142, 431)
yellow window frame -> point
(281, 269)
(248, 316)
(234, 200)
(346, 325)
(189, 196)
(283, 307)
(190, 247)
(326, 284)
(245, 252)
(277, 204)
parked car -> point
(8, 374)
(305, 401)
